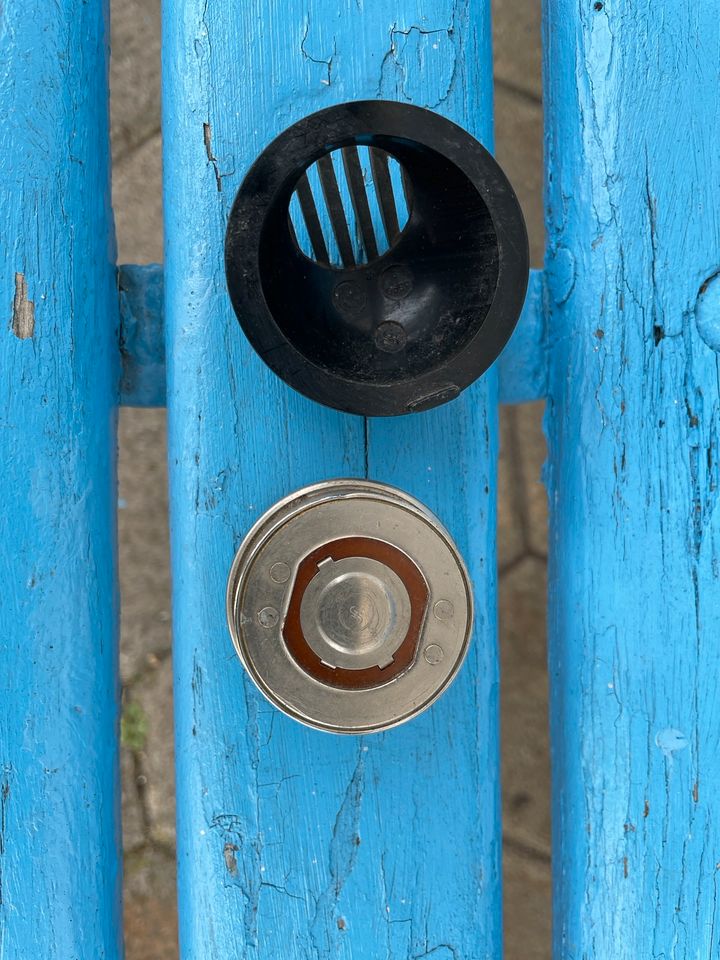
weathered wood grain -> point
(59, 783)
(633, 180)
(293, 843)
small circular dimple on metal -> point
(268, 617)
(280, 572)
(443, 610)
(329, 606)
(434, 653)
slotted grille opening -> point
(350, 206)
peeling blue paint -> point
(633, 419)
(338, 847)
(59, 370)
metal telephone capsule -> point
(350, 606)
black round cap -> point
(412, 312)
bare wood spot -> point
(646, 809)
(23, 314)
(4, 794)
(212, 159)
(696, 791)
(229, 851)
(625, 867)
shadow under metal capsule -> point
(350, 606)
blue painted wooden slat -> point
(448, 870)
(522, 366)
(59, 784)
(633, 180)
(142, 335)
(291, 842)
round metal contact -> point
(350, 606)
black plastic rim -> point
(258, 221)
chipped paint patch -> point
(671, 741)
(4, 794)
(229, 853)
(23, 312)
(212, 159)
(561, 274)
(420, 65)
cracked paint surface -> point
(633, 176)
(294, 843)
(59, 370)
